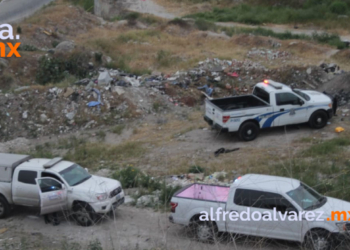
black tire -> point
(83, 214)
(4, 208)
(318, 240)
(205, 231)
(248, 131)
(318, 119)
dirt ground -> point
(130, 229)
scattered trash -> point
(3, 230)
(339, 129)
(224, 151)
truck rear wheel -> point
(248, 131)
(318, 119)
(4, 208)
(206, 231)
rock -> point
(118, 90)
(65, 47)
(25, 114)
(129, 200)
(309, 71)
(69, 92)
(43, 118)
(147, 200)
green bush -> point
(196, 169)
(338, 7)
(166, 193)
(204, 25)
(128, 177)
(53, 69)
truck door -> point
(24, 190)
(290, 109)
(53, 195)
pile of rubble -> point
(113, 96)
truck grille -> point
(115, 192)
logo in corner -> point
(6, 33)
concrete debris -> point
(104, 78)
(147, 200)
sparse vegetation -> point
(118, 129)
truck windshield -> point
(75, 174)
(303, 95)
(306, 197)
(262, 94)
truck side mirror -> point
(301, 102)
(63, 187)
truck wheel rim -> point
(319, 120)
(203, 232)
(249, 132)
(319, 243)
(83, 216)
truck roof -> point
(267, 183)
(39, 163)
(272, 86)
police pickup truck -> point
(272, 104)
(56, 185)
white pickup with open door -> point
(53, 195)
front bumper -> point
(106, 206)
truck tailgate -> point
(213, 112)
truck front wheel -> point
(83, 214)
(248, 131)
(4, 207)
(318, 240)
(318, 119)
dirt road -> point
(151, 7)
(131, 229)
(16, 10)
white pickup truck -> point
(253, 194)
(272, 104)
(56, 185)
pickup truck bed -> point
(238, 102)
(204, 192)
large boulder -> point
(65, 47)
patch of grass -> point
(101, 135)
(118, 129)
(204, 25)
(87, 5)
(279, 14)
(89, 155)
(329, 147)
(196, 169)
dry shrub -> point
(189, 101)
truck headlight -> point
(341, 226)
(101, 196)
